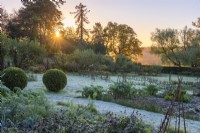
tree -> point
(97, 39)
(81, 18)
(197, 24)
(121, 39)
(3, 42)
(37, 20)
(3, 19)
(179, 47)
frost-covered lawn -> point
(76, 82)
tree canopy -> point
(37, 20)
(179, 47)
(121, 39)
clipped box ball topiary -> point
(14, 77)
(55, 80)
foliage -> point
(152, 90)
(179, 47)
(38, 19)
(3, 49)
(84, 60)
(121, 39)
(184, 97)
(125, 64)
(4, 91)
(25, 53)
(54, 80)
(14, 77)
(94, 92)
(23, 109)
(121, 89)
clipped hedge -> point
(54, 80)
(14, 77)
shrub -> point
(54, 80)
(23, 108)
(94, 92)
(184, 97)
(121, 89)
(3, 90)
(151, 90)
(14, 77)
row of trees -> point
(38, 20)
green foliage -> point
(3, 49)
(54, 80)
(183, 97)
(84, 60)
(94, 92)
(14, 77)
(152, 90)
(26, 53)
(125, 64)
(174, 48)
(121, 39)
(23, 107)
(121, 89)
(4, 91)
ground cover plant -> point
(26, 111)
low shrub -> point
(94, 92)
(23, 108)
(14, 77)
(152, 90)
(4, 91)
(54, 80)
(184, 97)
(121, 89)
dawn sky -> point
(144, 16)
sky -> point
(144, 16)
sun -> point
(57, 34)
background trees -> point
(37, 20)
(121, 39)
(180, 47)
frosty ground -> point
(76, 82)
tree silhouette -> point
(197, 24)
(81, 18)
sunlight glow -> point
(57, 34)
(69, 22)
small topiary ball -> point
(54, 80)
(14, 77)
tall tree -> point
(121, 39)
(38, 19)
(3, 19)
(81, 18)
